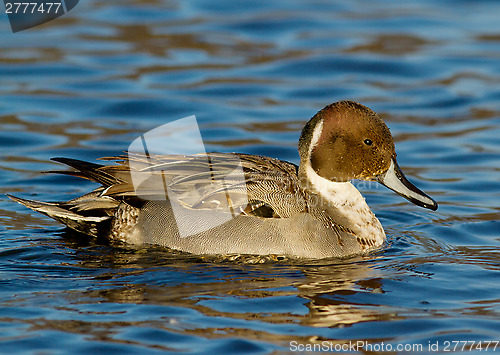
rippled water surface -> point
(85, 85)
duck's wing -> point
(241, 183)
(236, 183)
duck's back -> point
(270, 213)
(223, 204)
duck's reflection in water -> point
(333, 292)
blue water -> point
(87, 84)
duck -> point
(235, 203)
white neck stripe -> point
(318, 130)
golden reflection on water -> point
(322, 285)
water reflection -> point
(158, 277)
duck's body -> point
(197, 204)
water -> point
(88, 83)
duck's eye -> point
(368, 141)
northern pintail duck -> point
(311, 210)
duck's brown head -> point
(346, 140)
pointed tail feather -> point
(88, 170)
(84, 224)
